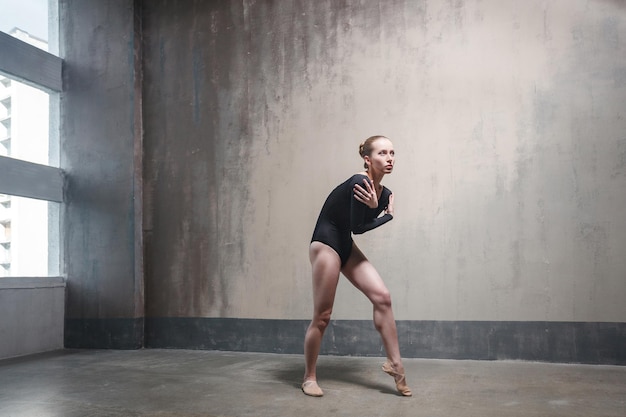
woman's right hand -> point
(366, 195)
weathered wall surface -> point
(31, 315)
(101, 156)
(508, 121)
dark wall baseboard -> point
(562, 342)
(565, 342)
(104, 333)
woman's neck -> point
(376, 179)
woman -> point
(353, 207)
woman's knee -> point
(322, 319)
(382, 299)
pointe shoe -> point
(400, 379)
(311, 388)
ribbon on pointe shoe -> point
(400, 379)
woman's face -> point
(382, 157)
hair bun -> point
(361, 146)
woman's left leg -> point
(362, 274)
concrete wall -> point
(31, 315)
(508, 121)
(101, 155)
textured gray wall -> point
(508, 121)
(31, 315)
(101, 154)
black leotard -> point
(342, 215)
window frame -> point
(37, 68)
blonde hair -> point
(365, 148)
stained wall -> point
(101, 156)
(508, 122)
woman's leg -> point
(362, 274)
(325, 265)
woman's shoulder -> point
(359, 176)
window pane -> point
(26, 20)
(29, 228)
(25, 123)
(29, 237)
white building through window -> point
(29, 227)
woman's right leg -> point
(325, 265)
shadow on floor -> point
(291, 375)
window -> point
(29, 201)
(27, 18)
(28, 237)
(24, 122)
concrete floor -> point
(207, 383)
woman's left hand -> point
(366, 195)
(389, 209)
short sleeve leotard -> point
(343, 215)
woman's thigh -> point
(362, 274)
(326, 265)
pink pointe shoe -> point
(400, 379)
(311, 388)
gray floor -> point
(206, 383)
